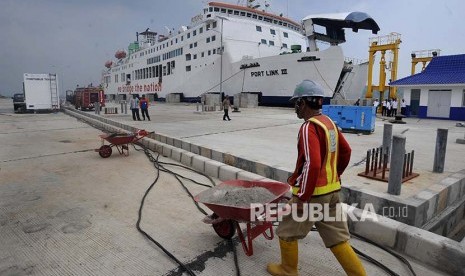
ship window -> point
(164, 70)
(284, 45)
(208, 27)
(285, 34)
(214, 51)
(230, 11)
(188, 68)
(216, 9)
(190, 46)
(195, 56)
(214, 25)
(213, 38)
(271, 42)
(194, 33)
(249, 15)
(209, 52)
(223, 10)
(263, 41)
(260, 17)
(285, 24)
(275, 21)
(195, 44)
(273, 32)
(236, 12)
(176, 40)
(172, 65)
(208, 40)
(202, 54)
(254, 16)
(153, 71)
(258, 28)
(242, 13)
(171, 42)
(188, 35)
(210, 9)
(201, 30)
(188, 56)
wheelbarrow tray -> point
(119, 138)
(242, 214)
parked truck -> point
(18, 102)
(86, 97)
(41, 92)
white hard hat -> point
(307, 88)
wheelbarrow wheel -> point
(225, 229)
(105, 151)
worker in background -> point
(323, 155)
(144, 107)
(134, 104)
(403, 107)
(376, 104)
(226, 106)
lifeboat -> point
(108, 64)
(120, 54)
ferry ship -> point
(230, 49)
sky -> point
(74, 38)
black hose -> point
(190, 272)
(398, 256)
(159, 167)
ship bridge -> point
(335, 25)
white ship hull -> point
(228, 49)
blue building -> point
(439, 91)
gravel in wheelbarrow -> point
(232, 199)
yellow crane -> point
(423, 56)
(382, 44)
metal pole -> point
(387, 140)
(397, 165)
(221, 58)
(440, 151)
(125, 107)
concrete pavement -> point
(66, 211)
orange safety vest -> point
(328, 180)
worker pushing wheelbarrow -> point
(235, 201)
(121, 141)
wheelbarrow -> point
(119, 140)
(226, 218)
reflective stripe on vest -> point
(329, 165)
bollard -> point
(440, 151)
(387, 140)
(397, 165)
(460, 141)
(125, 107)
(122, 106)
